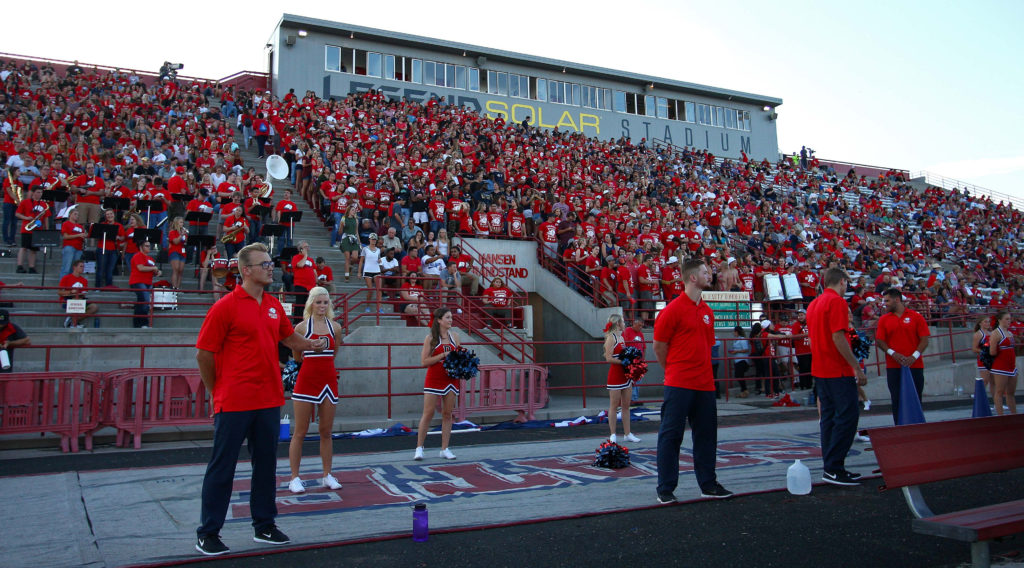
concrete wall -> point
(302, 66)
(405, 375)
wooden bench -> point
(913, 455)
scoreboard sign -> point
(731, 309)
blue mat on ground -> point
(595, 419)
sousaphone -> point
(277, 168)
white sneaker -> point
(419, 454)
(631, 438)
(330, 482)
(864, 439)
(867, 405)
(295, 486)
(613, 438)
(447, 454)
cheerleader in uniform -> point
(620, 388)
(1004, 364)
(982, 330)
(316, 384)
(438, 385)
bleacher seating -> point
(375, 152)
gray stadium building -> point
(335, 59)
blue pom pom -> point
(629, 354)
(461, 364)
(612, 456)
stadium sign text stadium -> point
(547, 115)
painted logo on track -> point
(374, 487)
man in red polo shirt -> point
(903, 334)
(683, 336)
(237, 357)
(836, 376)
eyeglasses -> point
(267, 265)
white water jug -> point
(798, 479)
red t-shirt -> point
(801, 345)
(827, 314)
(689, 330)
(305, 272)
(72, 282)
(69, 228)
(500, 297)
(243, 335)
(902, 334)
(137, 276)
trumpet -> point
(15, 188)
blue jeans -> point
(261, 429)
(838, 423)
(702, 411)
(68, 256)
(154, 220)
(142, 295)
(106, 260)
(338, 228)
(10, 223)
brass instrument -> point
(15, 188)
(229, 235)
(35, 223)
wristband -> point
(890, 352)
(917, 355)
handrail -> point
(142, 73)
(951, 184)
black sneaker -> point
(32, 271)
(211, 545)
(20, 270)
(716, 491)
(273, 535)
(666, 498)
(840, 478)
(852, 475)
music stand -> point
(203, 242)
(286, 255)
(103, 232)
(118, 203)
(55, 195)
(225, 200)
(196, 217)
(290, 218)
(45, 239)
(272, 231)
(152, 236)
(148, 205)
(181, 197)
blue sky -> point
(915, 85)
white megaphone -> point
(277, 168)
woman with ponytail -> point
(619, 386)
(436, 346)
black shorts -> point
(26, 241)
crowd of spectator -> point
(617, 216)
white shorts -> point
(419, 217)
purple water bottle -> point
(420, 524)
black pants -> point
(838, 423)
(892, 377)
(803, 363)
(261, 429)
(700, 408)
(299, 305)
(740, 369)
